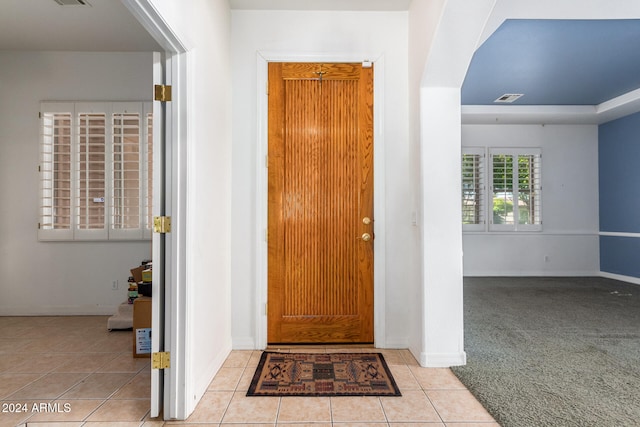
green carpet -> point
(553, 351)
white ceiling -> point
(105, 26)
(372, 5)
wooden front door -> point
(320, 203)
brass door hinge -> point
(162, 224)
(162, 93)
(161, 360)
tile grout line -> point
(386, 418)
(434, 406)
(84, 420)
(60, 397)
(331, 411)
(278, 411)
(48, 400)
(108, 398)
(26, 385)
(233, 393)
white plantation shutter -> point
(516, 189)
(91, 172)
(125, 199)
(55, 171)
(94, 171)
(473, 189)
(529, 189)
(127, 165)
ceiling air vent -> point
(508, 98)
(72, 2)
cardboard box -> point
(137, 273)
(142, 327)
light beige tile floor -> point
(72, 372)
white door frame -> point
(169, 316)
(263, 58)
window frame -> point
(536, 187)
(107, 232)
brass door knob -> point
(366, 220)
(366, 237)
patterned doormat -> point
(322, 374)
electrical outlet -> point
(114, 285)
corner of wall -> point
(243, 343)
(397, 343)
(620, 277)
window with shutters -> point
(95, 171)
(515, 189)
(473, 189)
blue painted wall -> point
(619, 176)
(620, 255)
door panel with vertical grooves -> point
(320, 187)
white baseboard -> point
(622, 278)
(442, 360)
(532, 273)
(59, 310)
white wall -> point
(203, 299)
(423, 19)
(57, 277)
(312, 35)
(569, 236)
